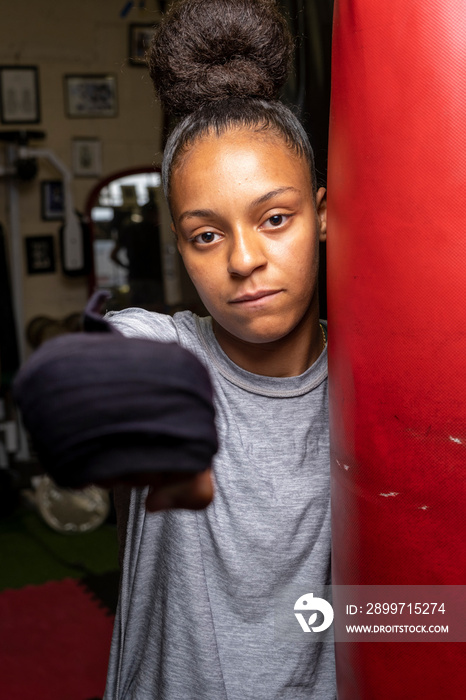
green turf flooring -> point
(32, 553)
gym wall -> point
(76, 37)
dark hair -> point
(220, 64)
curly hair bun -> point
(207, 50)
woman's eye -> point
(276, 220)
(206, 237)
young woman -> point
(200, 589)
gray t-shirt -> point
(199, 590)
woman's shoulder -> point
(139, 323)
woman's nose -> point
(246, 254)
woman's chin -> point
(251, 334)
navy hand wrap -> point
(102, 406)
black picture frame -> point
(91, 96)
(139, 37)
(19, 95)
(40, 255)
(52, 200)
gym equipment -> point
(397, 351)
(22, 164)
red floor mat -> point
(54, 643)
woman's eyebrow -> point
(273, 193)
(196, 213)
(209, 213)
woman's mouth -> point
(261, 295)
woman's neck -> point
(286, 357)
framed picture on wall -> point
(19, 95)
(40, 255)
(52, 200)
(87, 157)
(140, 36)
(91, 96)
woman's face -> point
(248, 230)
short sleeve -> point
(139, 323)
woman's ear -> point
(321, 209)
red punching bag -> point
(397, 318)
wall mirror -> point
(134, 251)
